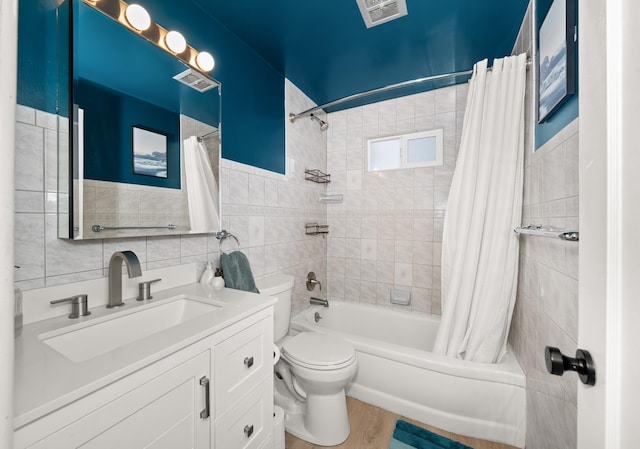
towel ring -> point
(224, 234)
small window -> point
(421, 149)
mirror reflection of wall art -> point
(149, 153)
(556, 57)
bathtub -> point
(398, 372)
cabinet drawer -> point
(248, 424)
(241, 362)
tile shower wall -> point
(266, 211)
(546, 312)
(387, 233)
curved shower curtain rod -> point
(293, 117)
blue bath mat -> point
(408, 436)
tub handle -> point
(312, 281)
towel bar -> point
(100, 228)
(537, 230)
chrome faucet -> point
(115, 275)
(318, 301)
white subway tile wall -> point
(546, 311)
(383, 235)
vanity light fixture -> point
(205, 61)
(175, 42)
(138, 20)
(138, 17)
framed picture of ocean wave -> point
(556, 57)
(149, 152)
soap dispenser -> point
(207, 275)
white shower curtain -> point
(479, 247)
(202, 189)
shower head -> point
(323, 125)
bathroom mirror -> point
(117, 86)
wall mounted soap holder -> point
(330, 199)
(315, 229)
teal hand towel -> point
(236, 272)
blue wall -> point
(37, 54)
(109, 119)
(568, 112)
(252, 111)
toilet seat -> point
(318, 351)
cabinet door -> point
(161, 414)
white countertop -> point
(45, 380)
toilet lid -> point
(316, 349)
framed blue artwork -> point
(149, 152)
(556, 57)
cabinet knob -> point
(248, 430)
(248, 362)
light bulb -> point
(175, 41)
(138, 17)
(205, 61)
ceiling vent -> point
(376, 12)
(196, 80)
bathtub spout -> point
(318, 301)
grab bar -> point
(537, 230)
(100, 228)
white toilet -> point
(311, 375)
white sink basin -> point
(121, 329)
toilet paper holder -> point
(276, 354)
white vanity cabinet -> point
(164, 405)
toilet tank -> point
(281, 287)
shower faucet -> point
(312, 281)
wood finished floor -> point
(372, 427)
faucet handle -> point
(144, 289)
(312, 281)
(79, 305)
